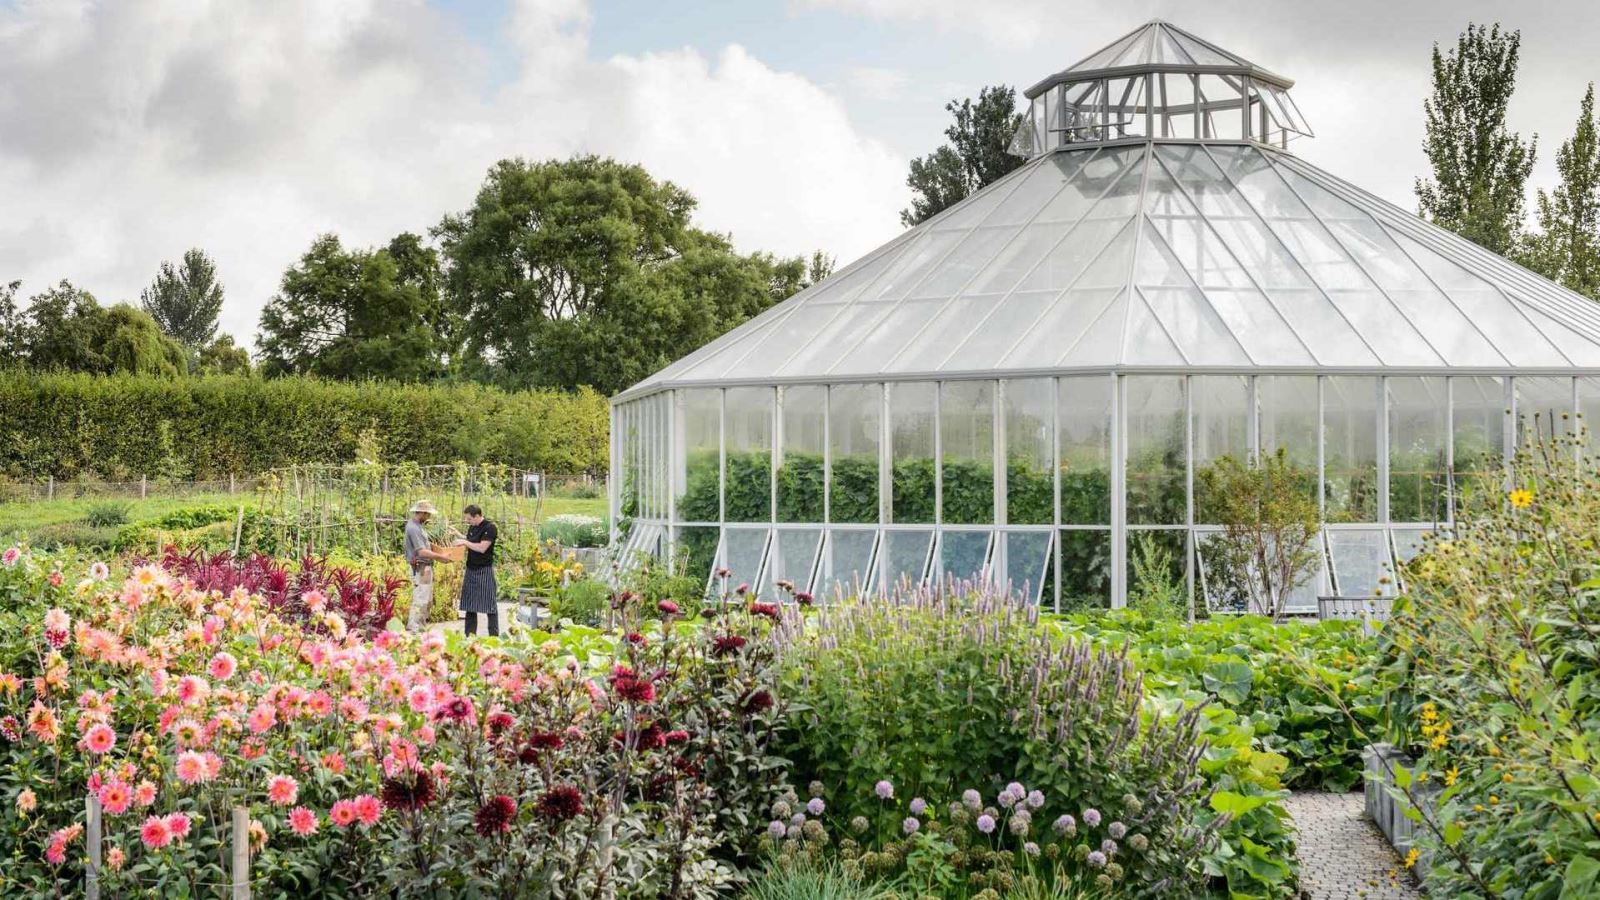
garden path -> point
(508, 611)
(1342, 855)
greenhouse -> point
(1025, 387)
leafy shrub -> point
(583, 602)
(940, 696)
(126, 426)
(107, 514)
(74, 534)
(1157, 591)
(1494, 651)
(162, 529)
(571, 530)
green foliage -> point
(1158, 590)
(939, 697)
(574, 531)
(1282, 678)
(358, 314)
(1567, 246)
(151, 533)
(974, 157)
(1494, 655)
(1269, 541)
(185, 301)
(70, 425)
(222, 357)
(587, 271)
(108, 514)
(1479, 167)
(583, 602)
(66, 329)
(797, 877)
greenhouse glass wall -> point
(1023, 388)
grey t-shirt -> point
(416, 539)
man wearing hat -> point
(420, 557)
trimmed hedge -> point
(125, 426)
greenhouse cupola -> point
(1031, 387)
(1158, 81)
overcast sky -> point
(130, 131)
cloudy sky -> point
(130, 131)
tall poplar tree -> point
(185, 300)
(1567, 245)
(1480, 168)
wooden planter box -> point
(1387, 804)
(454, 553)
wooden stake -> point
(241, 853)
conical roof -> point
(1157, 255)
(1164, 45)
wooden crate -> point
(454, 553)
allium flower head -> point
(1065, 825)
(1030, 848)
(1035, 799)
(815, 806)
(1108, 847)
(918, 806)
(910, 825)
(777, 829)
(1096, 859)
(884, 789)
(1091, 817)
(986, 823)
(972, 799)
(859, 824)
(1117, 830)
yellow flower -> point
(1493, 800)
(1411, 857)
(1506, 778)
(1522, 498)
(1450, 776)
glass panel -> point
(1362, 566)
(627, 420)
(1084, 408)
(1478, 420)
(697, 551)
(800, 474)
(1156, 493)
(1027, 562)
(854, 414)
(749, 454)
(743, 550)
(1350, 454)
(963, 262)
(964, 555)
(966, 434)
(911, 423)
(793, 558)
(1085, 570)
(1544, 408)
(1030, 493)
(1226, 592)
(1408, 542)
(698, 474)
(847, 561)
(1416, 450)
(905, 558)
(1589, 410)
(1221, 428)
(1288, 413)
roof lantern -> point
(1159, 81)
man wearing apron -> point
(478, 588)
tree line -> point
(561, 273)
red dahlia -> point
(545, 740)
(770, 610)
(727, 643)
(760, 701)
(561, 803)
(408, 794)
(634, 689)
(495, 816)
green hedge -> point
(125, 426)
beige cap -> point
(422, 506)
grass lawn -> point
(59, 519)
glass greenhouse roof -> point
(1163, 256)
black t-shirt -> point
(483, 531)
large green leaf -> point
(1230, 681)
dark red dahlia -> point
(667, 607)
(770, 610)
(708, 613)
(676, 736)
(634, 689)
(803, 598)
(545, 740)
(458, 709)
(561, 803)
(495, 816)
(635, 638)
(686, 766)
(727, 644)
(407, 794)
(759, 701)
(659, 787)
(500, 723)
(742, 589)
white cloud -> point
(130, 132)
(877, 83)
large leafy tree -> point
(67, 329)
(358, 313)
(1480, 168)
(588, 271)
(974, 157)
(186, 299)
(1567, 246)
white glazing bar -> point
(1188, 492)
(722, 456)
(1119, 506)
(1508, 430)
(1322, 449)
(674, 451)
(776, 454)
(614, 482)
(997, 422)
(885, 457)
(1055, 488)
(938, 453)
(827, 455)
(1383, 450)
(1449, 450)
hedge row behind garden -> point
(125, 426)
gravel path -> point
(1342, 855)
